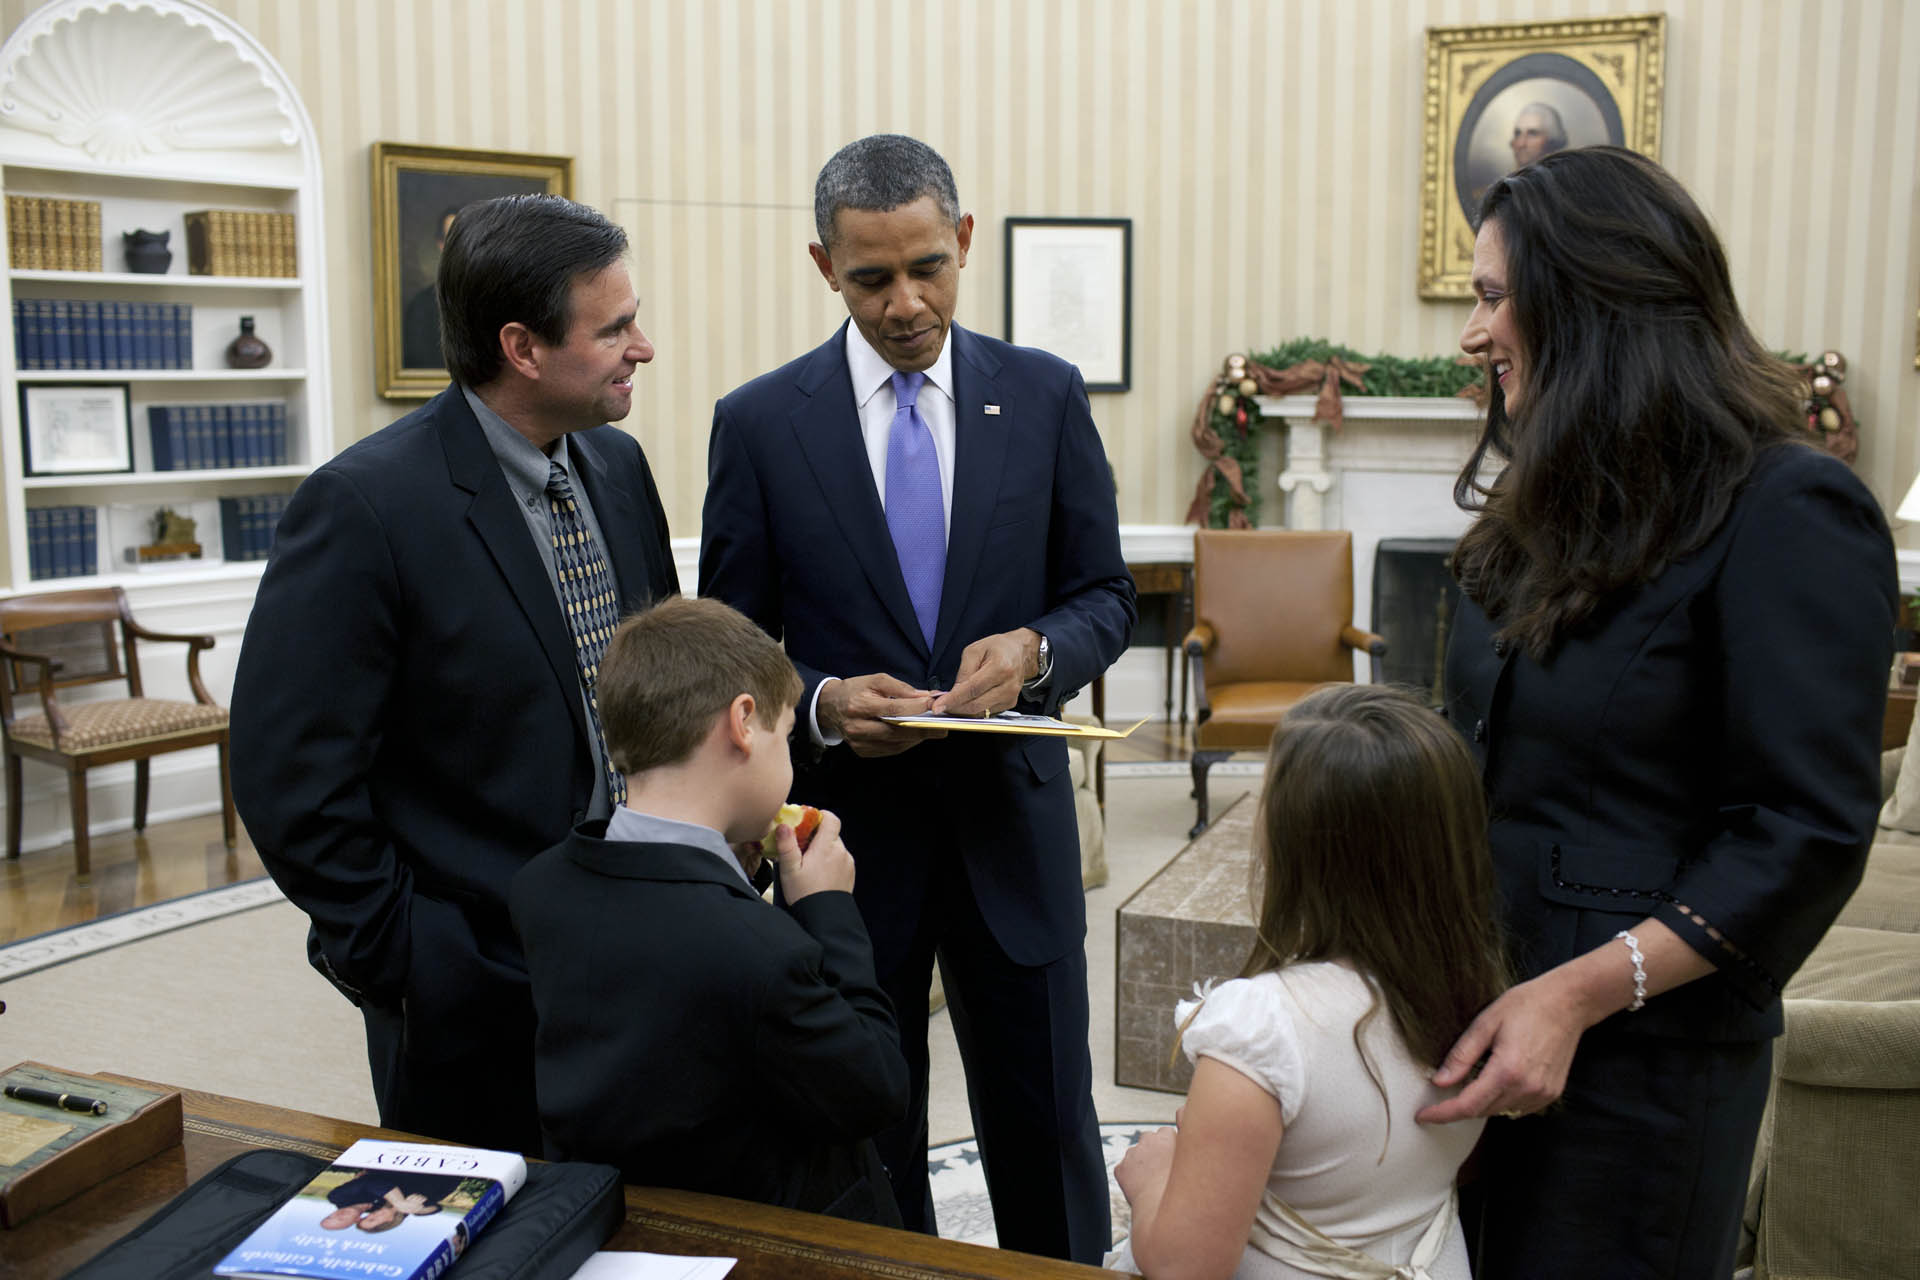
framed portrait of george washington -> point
(416, 193)
(1498, 97)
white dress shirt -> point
(873, 392)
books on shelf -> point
(71, 333)
(247, 524)
(63, 542)
(404, 1210)
(241, 242)
(46, 234)
(199, 437)
(50, 1152)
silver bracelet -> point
(1639, 971)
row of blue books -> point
(63, 542)
(56, 333)
(195, 437)
(247, 524)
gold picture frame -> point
(415, 191)
(1600, 81)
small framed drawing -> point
(76, 428)
(416, 192)
(1070, 292)
(1498, 97)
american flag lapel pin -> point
(993, 411)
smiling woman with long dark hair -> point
(1671, 664)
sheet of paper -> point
(1011, 722)
(652, 1266)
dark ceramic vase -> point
(247, 351)
(147, 251)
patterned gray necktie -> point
(593, 608)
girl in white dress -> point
(1296, 1153)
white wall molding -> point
(129, 85)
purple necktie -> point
(915, 515)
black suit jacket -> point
(408, 727)
(699, 1037)
(794, 536)
(1710, 739)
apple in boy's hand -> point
(825, 865)
(803, 818)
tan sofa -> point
(1836, 1177)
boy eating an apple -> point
(691, 1032)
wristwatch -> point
(1032, 686)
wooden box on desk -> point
(48, 1154)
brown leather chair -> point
(1273, 621)
(60, 639)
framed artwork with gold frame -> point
(416, 192)
(1500, 96)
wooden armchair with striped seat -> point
(62, 639)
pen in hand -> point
(65, 1101)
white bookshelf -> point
(222, 130)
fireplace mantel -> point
(1388, 472)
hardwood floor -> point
(1156, 740)
(39, 891)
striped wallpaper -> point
(1268, 153)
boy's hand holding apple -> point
(825, 863)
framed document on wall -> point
(1070, 292)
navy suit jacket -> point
(407, 719)
(794, 536)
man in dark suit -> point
(413, 713)
(926, 517)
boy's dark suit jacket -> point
(408, 730)
(699, 1037)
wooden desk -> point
(770, 1243)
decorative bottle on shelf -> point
(248, 351)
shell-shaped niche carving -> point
(125, 82)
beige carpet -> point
(229, 1005)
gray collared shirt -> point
(525, 469)
(643, 828)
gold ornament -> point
(1248, 386)
(1822, 385)
(1835, 362)
(1830, 419)
(1236, 362)
(1226, 404)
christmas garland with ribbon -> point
(1226, 424)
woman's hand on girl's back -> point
(1527, 1037)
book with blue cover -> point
(403, 1210)
(39, 543)
(89, 558)
(161, 425)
